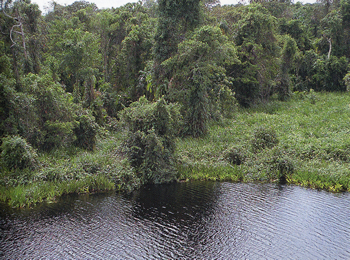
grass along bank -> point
(305, 141)
(312, 148)
(68, 171)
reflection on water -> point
(198, 220)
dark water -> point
(200, 220)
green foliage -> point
(235, 155)
(30, 195)
(332, 32)
(198, 77)
(321, 73)
(345, 11)
(347, 81)
(157, 165)
(285, 167)
(5, 65)
(4, 102)
(150, 143)
(62, 73)
(114, 102)
(329, 74)
(86, 131)
(126, 179)
(258, 51)
(135, 52)
(305, 70)
(144, 116)
(264, 138)
(17, 154)
(289, 52)
(42, 113)
(77, 53)
(313, 148)
(211, 173)
(45, 115)
(175, 18)
(298, 31)
(198, 114)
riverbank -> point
(304, 141)
(65, 171)
(312, 148)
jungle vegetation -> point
(158, 91)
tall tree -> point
(19, 21)
(198, 76)
(257, 48)
(175, 18)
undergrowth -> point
(304, 141)
(66, 171)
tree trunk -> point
(15, 67)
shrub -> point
(150, 142)
(86, 131)
(285, 166)
(158, 166)
(17, 153)
(41, 112)
(235, 156)
(264, 138)
(126, 180)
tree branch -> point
(14, 43)
(330, 47)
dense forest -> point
(141, 76)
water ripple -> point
(200, 220)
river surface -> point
(194, 220)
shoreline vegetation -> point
(304, 141)
(93, 100)
(313, 148)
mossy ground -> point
(313, 150)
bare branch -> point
(14, 43)
(330, 47)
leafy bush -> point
(198, 78)
(264, 138)
(17, 153)
(235, 156)
(285, 166)
(150, 142)
(126, 180)
(86, 131)
(330, 74)
(321, 73)
(51, 174)
(41, 112)
(47, 117)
